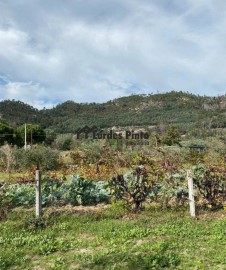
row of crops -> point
(134, 188)
(77, 192)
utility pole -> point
(25, 137)
(191, 193)
(31, 136)
(38, 206)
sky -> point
(98, 50)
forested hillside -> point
(181, 109)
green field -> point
(110, 238)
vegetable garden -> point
(113, 210)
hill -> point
(184, 110)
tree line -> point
(16, 135)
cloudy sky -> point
(97, 50)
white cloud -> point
(28, 92)
(96, 51)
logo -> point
(86, 130)
(132, 137)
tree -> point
(50, 137)
(35, 134)
(44, 156)
(6, 153)
(6, 133)
(172, 136)
(63, 142)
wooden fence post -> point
(38, 206)
(191, 193)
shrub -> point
(44, 156)
(134, 188)
(211, 184)
(63, 142)
(4, 206)
(7, 157)
(174, 187)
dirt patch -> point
(85, 250)
(70, 209)
(130, 217)
(139, 242)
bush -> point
(174, 187)
(63, 142)
(4, 206)
(44, 156)
(7, 157)
(133, 188)
(211, 184)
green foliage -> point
(9, 259)
(172, 136)
(32, 223)
(174, 187)
(152, 239)
(211, 183)
(133, 188)
(184, 110)
(117, 209)
(94, 150)
(6, 133)
(60, 264)
(83, 192)
(78, 192)
(195, 156)
(4, 207)
(35, 134)
(63, 142)
(161, 258)
(44, 156)
(19, 194)
(18, 113)
(50, 137)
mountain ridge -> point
(182, 109)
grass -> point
(9, 178)
(16, 176)
(111, 238)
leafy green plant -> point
(16, 194)
(35, 223)
(59, 263)
(159, 259)
(78, 192)
(81, 191)
(174, 187)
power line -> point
(38, 135)
(8, 134)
